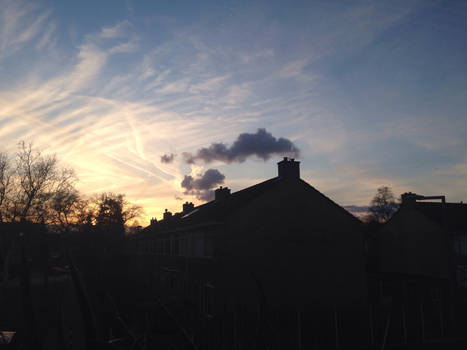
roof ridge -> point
(332, 202)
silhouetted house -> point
(419, 259)
(426, 239)
(275, 246)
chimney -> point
(188, 206)
(289, 168)
(408, 198)
(221, 193)
(167, 215)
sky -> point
(165, 100)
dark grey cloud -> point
(203, 185)
(261, 144)
(356, 208)
(167, 158)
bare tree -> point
(36, 174)
(382, 206)
(114, 209)
(5, 245)
(85, 212)
(64, 208)
(28, 188)
(32, 188)
(5, 176)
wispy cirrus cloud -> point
(115, 31)
(126, 47)
(114, 99)
(20, 22)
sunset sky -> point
(371, 93)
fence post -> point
(336, 324)
(372, 330)
(299, 329)
(235, 335)
(386, 330)
(404, 324)
(422, 315)
(441, 318)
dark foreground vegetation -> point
(75, 291)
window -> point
(175, 246)
(166, 248)
(185, 285)
(460, 245)
(208, 247)
(435, 293)
(183, 243)
(198, 245)
(189, 249)
(462, 275)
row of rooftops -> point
(289, 168)
(449, 215)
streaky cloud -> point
(114, 31)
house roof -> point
(217, 211)
(453, 215)
(214, 211)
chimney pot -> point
(289, 168)
(408, 199)
(221, 193)
(188, 206)
(167, 215)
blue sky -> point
(372, 93)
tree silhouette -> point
(5, 176)
(382, 206)
(65, 208)
(113, 211)
(29, 183)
